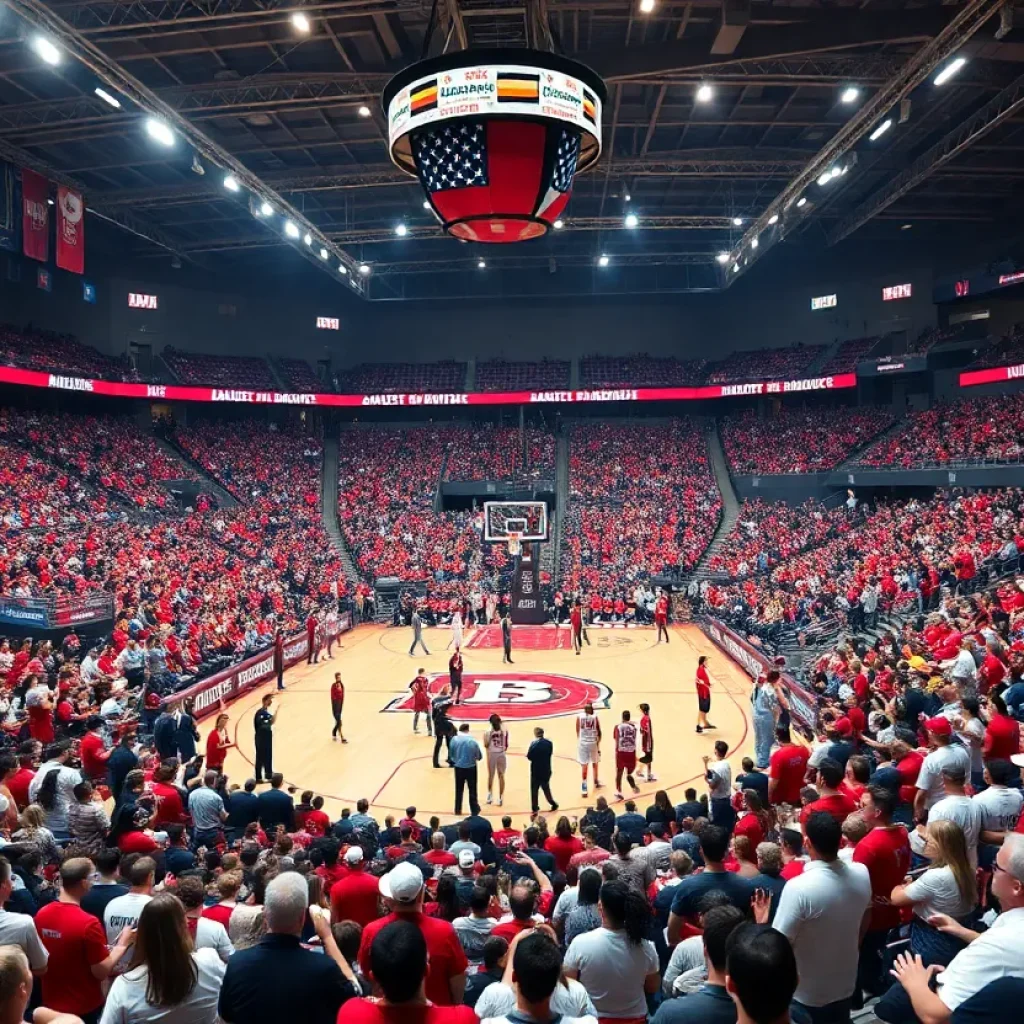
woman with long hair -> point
(617, 965)
(585, 916)
(446, 900)
(564, 844)
(167, 980)
(756, 821)
(218, 743)
(33, 832)
(947, 887)
(972, 735)
(662, 810)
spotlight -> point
(881, 130)
(300, 21)
(802, 201)
(735, 268)
(156, 129)
(107, 98)
(291, 229)
(949, 71)
(773, 219)
(481, 264)
(266, 209)
(603, 260)
(646, 6)
(426, 204)
(401, 230)
(230, 182)
(364, 111)
(628, 198)
(723, 258)
(559, 224)
(753, 243)
(342, 269)
(45, 50)
(324, 254)
(737, 222)
(364, 269)
(307, 238)
(705, 93)
(850, 94)
(906, 227)
(632, 220)
(825, 178)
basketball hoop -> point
(514, 543)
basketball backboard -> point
(527, 518)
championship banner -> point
(70, 230)
(8, 208)
(527, 603)
(35, 216)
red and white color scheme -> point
(328, 323)
(70, 230)
(992, 375)
(35, 216)
(514, 695)
(897, 291)
(139, 300)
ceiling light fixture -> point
(632, 220)
(881, 130)
(949, 71)
(705, 93)
(773, 219)
(364, 111)
(266, 209)
(603, 260)
(426, 204)
(364, 269)
(324, 254)
(342, 269)
(401, 230)
(300, 21)
(481, 264)
(753, 243)
(307, 238)
(646, 6)
(231, 183)
(159, 131)
(737, 222)
(559, 224)
(723, 258)
(291, 229)
(825, 178)
(850, 94)
(802, 201)
(45, 50)
(107, 98)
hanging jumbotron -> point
(495, 137)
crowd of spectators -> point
(541, 375)
(968, 430)
(935, 336)
(1006, 351)
(847, 356)
(640, 371)
(763, 364)
(443, 377)
(35, 349)
(642, 501)
(198, 368)
(298, 376)
(500, 453)
(799, 440)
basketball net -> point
(514, 543)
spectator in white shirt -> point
(944, 752)
(964, 671)
(19, 929)
(59, 793)
(989, 956)
(1000, 805)
(206, 933)
(955, 806)
(822, 912)
(718, 774)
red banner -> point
(993, 375)
(70, 230)
(35, 216)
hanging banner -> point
(35, 216)
(8, 208)
(44, 280)
(70, 230)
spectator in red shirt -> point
(403, 889)
(437, 856)
(563, 845)
(77, 945)
(1002, 734)
(525, 900)
(169, 809)
(793, 856)
(354, 897)
(397, 961)
(28, 757)
(228, 886)
(788, 767)
(830, 798)
(93, 750)
(858, 771)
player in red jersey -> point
(661, 615)
(576, 623)
(337, 707)
(625, 754)
(421, 702)
(703, 694)
(647, 742)
(588, 735)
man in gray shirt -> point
(464, 754)
(417, 633)
(207, 810)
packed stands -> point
(847, 356)
(1004, 352)
(497, 453)
(400, 378)
(643, 501)
(298, 376)
(219, 371)
(544, 375)
(970, 430)
(799, 440)
(764, 364)
(640, 371)
(34, 349)
(935, 336)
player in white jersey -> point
(496, 745)
(456, 628)
(588, 734)
(625, 754)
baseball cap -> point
(939, 725)
(1018, 760)
(843, 726)
(466, 859)
(402, 883)
(353, 855)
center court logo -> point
(515, 695)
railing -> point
(56, 610)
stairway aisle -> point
(730, 503)
(225, 499)
(329, 508)
(557, 525)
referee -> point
(506, 637)
(264, 723)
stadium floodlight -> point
(364, 111)
(737, 222)
(952, 68)
(881, 130)
(646, 6)
(632, 220)
(324, 254)
(481, 264)
(426, 204)
(300, 21)
(401, 230)
(559, 224)
(342, 269)
(825, 178)
(603, 261)
(266, 209)
(802, 201)
(753, 243)
(156, 129)
(773, 219)
(850, 94)
(45, 50)
(364, 269)
(722, 257)
(107, 98)
(307, 238)
(231, 183)
(705, 93)
(291, 229)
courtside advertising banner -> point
(992, 375)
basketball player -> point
(420, 702)
(337, 703)
(625, 754)
(703, 694)
(576, 624)
(661, 615)
(647, 742)
(456, 629)
(455, 675)
(496, 745)
(506, 637)
(588, 735)
(264, 721)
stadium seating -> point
(1004, 352)
(219, 371)
(847, 356)
(799, 440)
(298, 376)
(58, 353)
(763, 364)
(496, 453)
(545, 375)
(640, 371)
(401, 378)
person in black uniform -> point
(443, 727)
(539, 755)
(455, 674)
(264, 723)
(506, 637)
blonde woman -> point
(947, 887)
(33, 832)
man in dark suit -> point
(276, 807)
(165, 735)
(121, 761)
(539, 755)
(243, 806)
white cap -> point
(403, 883)
(1017, 759)
(466, 858)
(354, 855)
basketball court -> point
(547, 685)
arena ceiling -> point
(288, 108)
